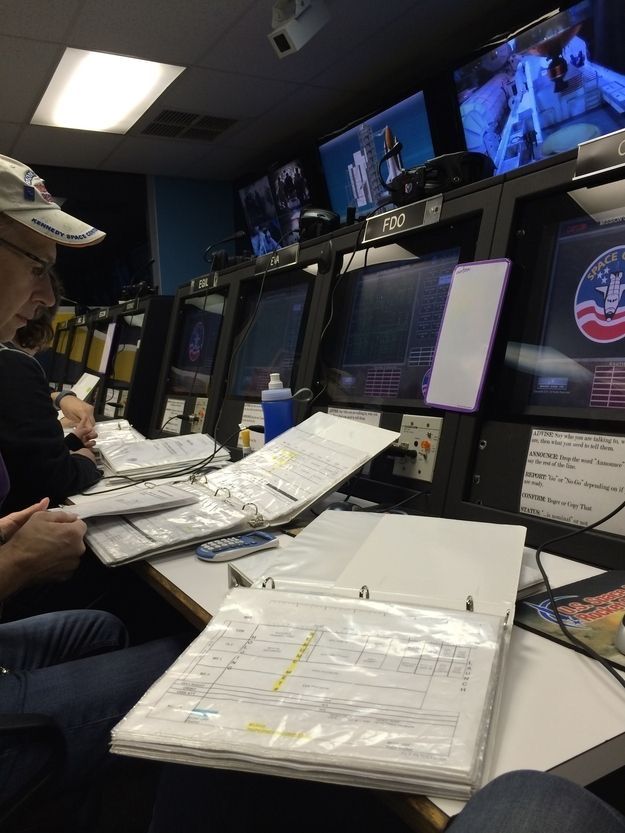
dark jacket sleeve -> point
(31, 438)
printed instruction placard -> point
(575, 478)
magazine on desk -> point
(591, 608)
(267, 488)
(333, 687)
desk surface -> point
(560, 711)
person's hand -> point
(77, 411)
(86, 452)
(85, 430)
(47, 547)
(12, 522)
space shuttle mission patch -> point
(599, 303)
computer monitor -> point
(270, 333)
(352, 164)
(292, 189)
(195, 344)
(100, 345)
(381, 342)
(556, 84)
(578, 367)
(544, 449)
(261, 216)
(128, 337)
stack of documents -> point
(141, 497)
(267, 488)
(330, 689)
(146, 458)
(396, 688)
(116, 432)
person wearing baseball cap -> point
(72, 666)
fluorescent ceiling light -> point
(99, 91)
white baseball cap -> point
(25, 199)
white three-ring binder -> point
(389, 679)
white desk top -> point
(560, 711)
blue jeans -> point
(536, 802)
(73, 666)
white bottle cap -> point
(274, 381)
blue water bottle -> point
(277, 405)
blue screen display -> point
(543, 92)
(351, 161)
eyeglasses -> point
(45, 264)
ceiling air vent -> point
(174, 124)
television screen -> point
(270, 343)
(381, 343)
(196, 344)
(351, 161)
(128, 339)
(579, 362)
(100, 346)
(261, 216)
(558, 83)
(292, 191)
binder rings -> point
(267, 488)
(338, 687)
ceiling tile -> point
(44, 19)
(161, 30)
(29, 65)
(153, 155)
(219, 94)
(65, 148)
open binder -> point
(268, 488)
(349, 685)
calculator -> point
(235, 546)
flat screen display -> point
(271, 343)
(580, 359)
(196, 345)
(292, 192)
(551, 87)
(381, 344)
(128, 340)
(261, 216)
(351, 161)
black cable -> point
(339, 277)
(383, 509)
(584, 648)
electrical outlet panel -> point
(419, 435)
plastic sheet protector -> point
(348, 691)
(267, 488)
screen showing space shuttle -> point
(580, 359)
(271, 343)
(195, 345)
(559, 83)
(381, 345)
(352, 162)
